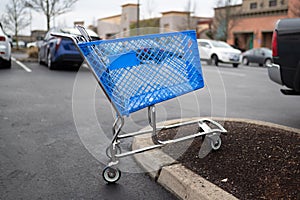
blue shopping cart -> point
(139, 72)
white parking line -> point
(22, 65)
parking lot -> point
(43, 115)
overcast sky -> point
(91, 10)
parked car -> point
(285, 69)
(61, 51)
(261, 56)
(35, 44)
(21, 44)
(5, 49)
(216, 52)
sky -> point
(91, 10)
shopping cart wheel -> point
(111, 175)
(215, 145)
(108, 154)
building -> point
(37, 35)
(251, 24)
(178, 20)
(121, 24)
(112, 25)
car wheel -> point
(5, 63)
(215, 60)
(268, 61)
(50, 64)
(8, 65)
(245, 61)
(235, 65)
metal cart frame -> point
(111, 173)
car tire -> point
(215, 60)
(50, 64)
(235, 65)
(6, 63)
(268, 61)
(245, 61)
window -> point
(262, 4)
(167, 26)
(253, 5)
(205, 44)
(272, 3)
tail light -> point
(2, 38)
(58, 41)
(274, 44)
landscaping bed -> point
(254, 161)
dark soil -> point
(254, 161)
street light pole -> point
(138, 17)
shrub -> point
(32, 52)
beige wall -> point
(177, 21)
(108, 26)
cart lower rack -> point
(139, 72)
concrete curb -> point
(178, 179)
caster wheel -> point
(215, 145)
(108, 154)
(111, 175)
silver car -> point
(5, 50)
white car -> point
(5, 50)
(216, 52)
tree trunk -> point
(48, 22)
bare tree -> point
(225, 18)
(188, 22)
(150, 7)
(51, 8)
(15, 17)
(295, 9)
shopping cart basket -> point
(139, 72)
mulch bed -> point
(254, 161)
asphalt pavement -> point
(47, 119)
(41, 153)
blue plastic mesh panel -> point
(140, 71)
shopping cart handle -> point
(84, 33)
(74, 38)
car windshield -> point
(219, 44)
(267, 51)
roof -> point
(110, 17)
(175, 12)
(231, 6)
(130, 4)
